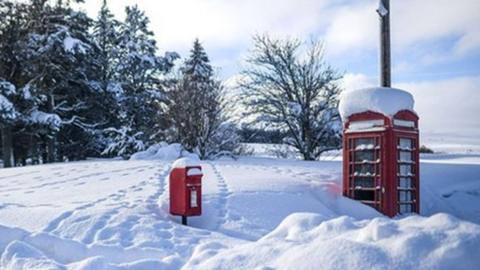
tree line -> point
(72, 87)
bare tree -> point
(288, 85)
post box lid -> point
(186, 162)
(194, 171)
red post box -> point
(380, 150)
(186, 189)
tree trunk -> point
(7, 147)
(51, 153)
(51, 150)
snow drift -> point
(163, 151)
(310, 241)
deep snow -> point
(258, 212)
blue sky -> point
(435, 44)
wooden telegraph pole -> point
(385, 61)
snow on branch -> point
(46, 119)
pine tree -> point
(63, 87)
(106, 33)
(11, 30)
(61, 78)
(196, 108)
(138, 73)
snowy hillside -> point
(258, 212)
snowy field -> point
(259, 213)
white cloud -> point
(448, 106)
(351, 81)
(349, 27)
(223, 23)
(355, 26)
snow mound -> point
(186, 162)
(163, 151)
(309, 241)
(20, 255)
(384, 100)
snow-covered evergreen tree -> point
(106, 33)
(12, 29)
(294, 92)
(8, 116)
(60, 73)
(139, 72)
(196, 110)
(73, 87)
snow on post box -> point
(186, 188)
(380, 149)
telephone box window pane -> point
(405, 196)
(405, 182)
(364, 143)
(368, 155)
(364, 195)
(366, 182)
(405, 208)
(405, 156)
(405, 143)
(405, 169)
(364, 169)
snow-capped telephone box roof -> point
(384, 100)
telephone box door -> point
(365, 170)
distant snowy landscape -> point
(259, 212)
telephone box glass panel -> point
(364, 182)
(405, 156)
(364, 156)
(405, 144)
(405, 208)
(405, 182)
(364, 143)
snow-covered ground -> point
(258, 212)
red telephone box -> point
(186, 189)
(381, 161)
